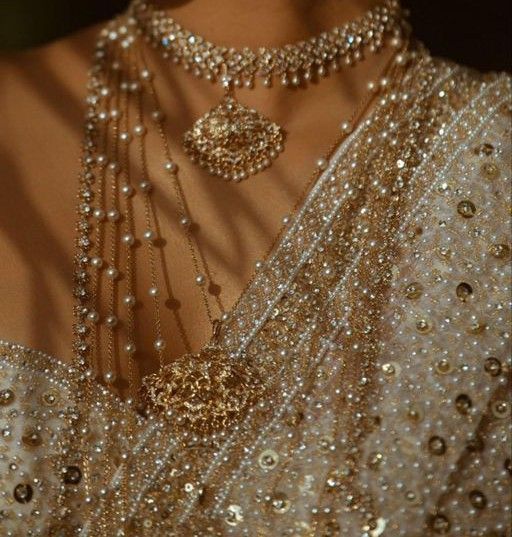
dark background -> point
(471, 32)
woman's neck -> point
(258, 23)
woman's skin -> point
(41, 106)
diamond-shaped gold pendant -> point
(233, 141)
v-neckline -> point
(64, 367)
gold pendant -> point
(233, 141)
(202, 393)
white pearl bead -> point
(112, 273)
(286, 220)
(139, 130)
(113, 215)
(93, 316)
(384, 82)
(111, 321)
(114, 167)
(346, 127)
(145, 186)
(321, 163)
(258, 265)
(396, 42)
(97, 262)
(125, 137)
(200, 279)
(127, 190)
(159, 344)
(128, 239)
(153, 291)
(171, 166)
(130, 348)
(371, 86)
(401, 59)
(145, 74)
(109, 377)
(157, 115)
(185, 222)
(149, 235)
(99, 214)
(129, 300)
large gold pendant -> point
(233, 141)
(202, 393)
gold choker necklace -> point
(201, 393)
(232, 141)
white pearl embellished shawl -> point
(382, 325)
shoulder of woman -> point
(63, 62)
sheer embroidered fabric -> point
(382, 328)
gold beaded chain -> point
(184, 217)
(128, 299)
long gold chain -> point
(184, 214)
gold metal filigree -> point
(233, 141)
(203, 392)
